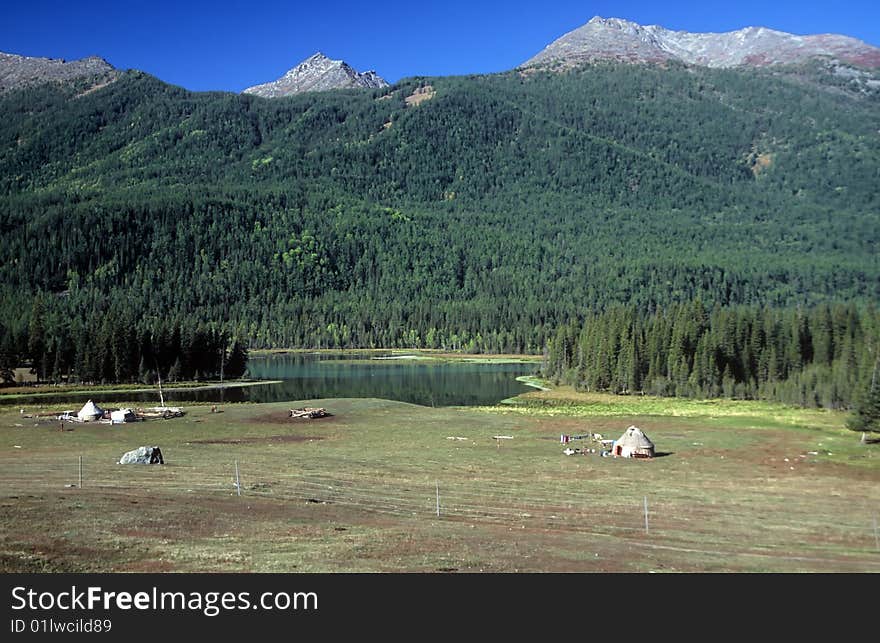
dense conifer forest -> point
(819, 357)
(672, 230)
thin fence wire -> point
(50, 472)
(408, 494)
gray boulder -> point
(143, 455)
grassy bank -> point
(736, 486)
(368, 354)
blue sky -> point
(229, 44)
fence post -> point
(80, 472)
(876, 537)
(438, 498)
(237, 479)
(646, 514)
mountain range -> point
(600, 39)
(616, 39)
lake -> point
(306, 376)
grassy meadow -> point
(736, 487)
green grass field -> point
(736, 487)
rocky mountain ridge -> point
(19, 71)
(317, 73)
(623, 40)
(615, 39)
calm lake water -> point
(306, 376)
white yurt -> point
(633, 444)
(90, 412)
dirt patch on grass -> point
(267, 439)
(283, 417)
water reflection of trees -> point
(425, 385)
(305, 377)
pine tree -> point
(174, 373)
(58, 364)
(823, 340)
(8, 357)
(37, 338)
(866, 416)
(236, 363)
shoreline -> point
(392, 354)
(111, 390)
(534, 382)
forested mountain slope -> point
(467, 212)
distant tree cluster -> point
(114, 346)
(818, 357)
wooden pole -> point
(876, 537)
(159, 378)
(646, 514)
(81, 480)
(161, 397)
(237, 479)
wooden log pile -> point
(163, 412)
(308, 413)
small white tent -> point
(90, 411)
(122, 415)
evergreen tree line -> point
(114, 346)
(325, 271)
(817, 357)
